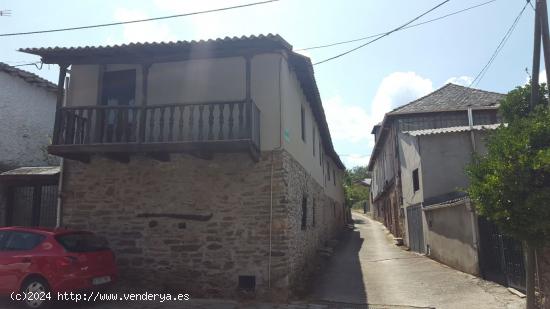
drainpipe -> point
(471, 125)
(271, 176)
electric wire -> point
(138, 20)
(382, 36)
(407, 27)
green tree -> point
(510, 185)
(356, 193)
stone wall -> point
(196, 225)
(323, 220)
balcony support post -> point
(143, 116)
(60, 96)
(248, 100)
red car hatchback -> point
(40, 260)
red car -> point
(52, 260)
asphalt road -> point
(368, 268)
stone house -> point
(433, 139)
(27, 111)
(449, 106)
(208, 165)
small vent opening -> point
(247, 283)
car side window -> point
(21, 241)
(3, 237)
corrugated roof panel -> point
(452, 129)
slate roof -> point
(451, 97)
(301, 64)
(29, 77)
(452, 129)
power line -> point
(407, 27)
(138, 20)
(382, 36)
(500, 46)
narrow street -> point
(368, 268)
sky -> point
(356, 89)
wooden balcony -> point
(157, 130)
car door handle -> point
(26, 260)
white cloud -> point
(461, 80)
(397, 89)
(542, 77)
(206, 26)
(141, 32)
(353, 123)
(346, 121)
(353, 160)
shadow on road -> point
(341, 278)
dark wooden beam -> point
(59, 102)
(118, 156)
(81, 157)
(144, 85)
(202, 154)
(170, 147)
(159, 156)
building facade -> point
(399, 184)
(208, 165)
(27, 111)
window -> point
(416, 182)
(328, 171)
(303, 122)
(82, 242)
(334, 176)
(22, 241)
(3, 238)
(313, 139)
(118, 88)
(247, 283)
(304, 212)
(313, 214)
(320, 154)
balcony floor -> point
(82, 152)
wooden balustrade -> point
(159, 124)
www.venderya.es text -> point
(99, 296)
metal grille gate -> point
(32, 205)
(415, 228)
(501, 256)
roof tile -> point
(451, 97)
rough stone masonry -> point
(203, 226)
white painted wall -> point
(274, 88)
(293, 101)
(27, 114)
(409, 158)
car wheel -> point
(35, 286)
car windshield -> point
(82, 242)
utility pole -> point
(545, 38)
(536, 63)
(540, 33)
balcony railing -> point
(214, 127)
